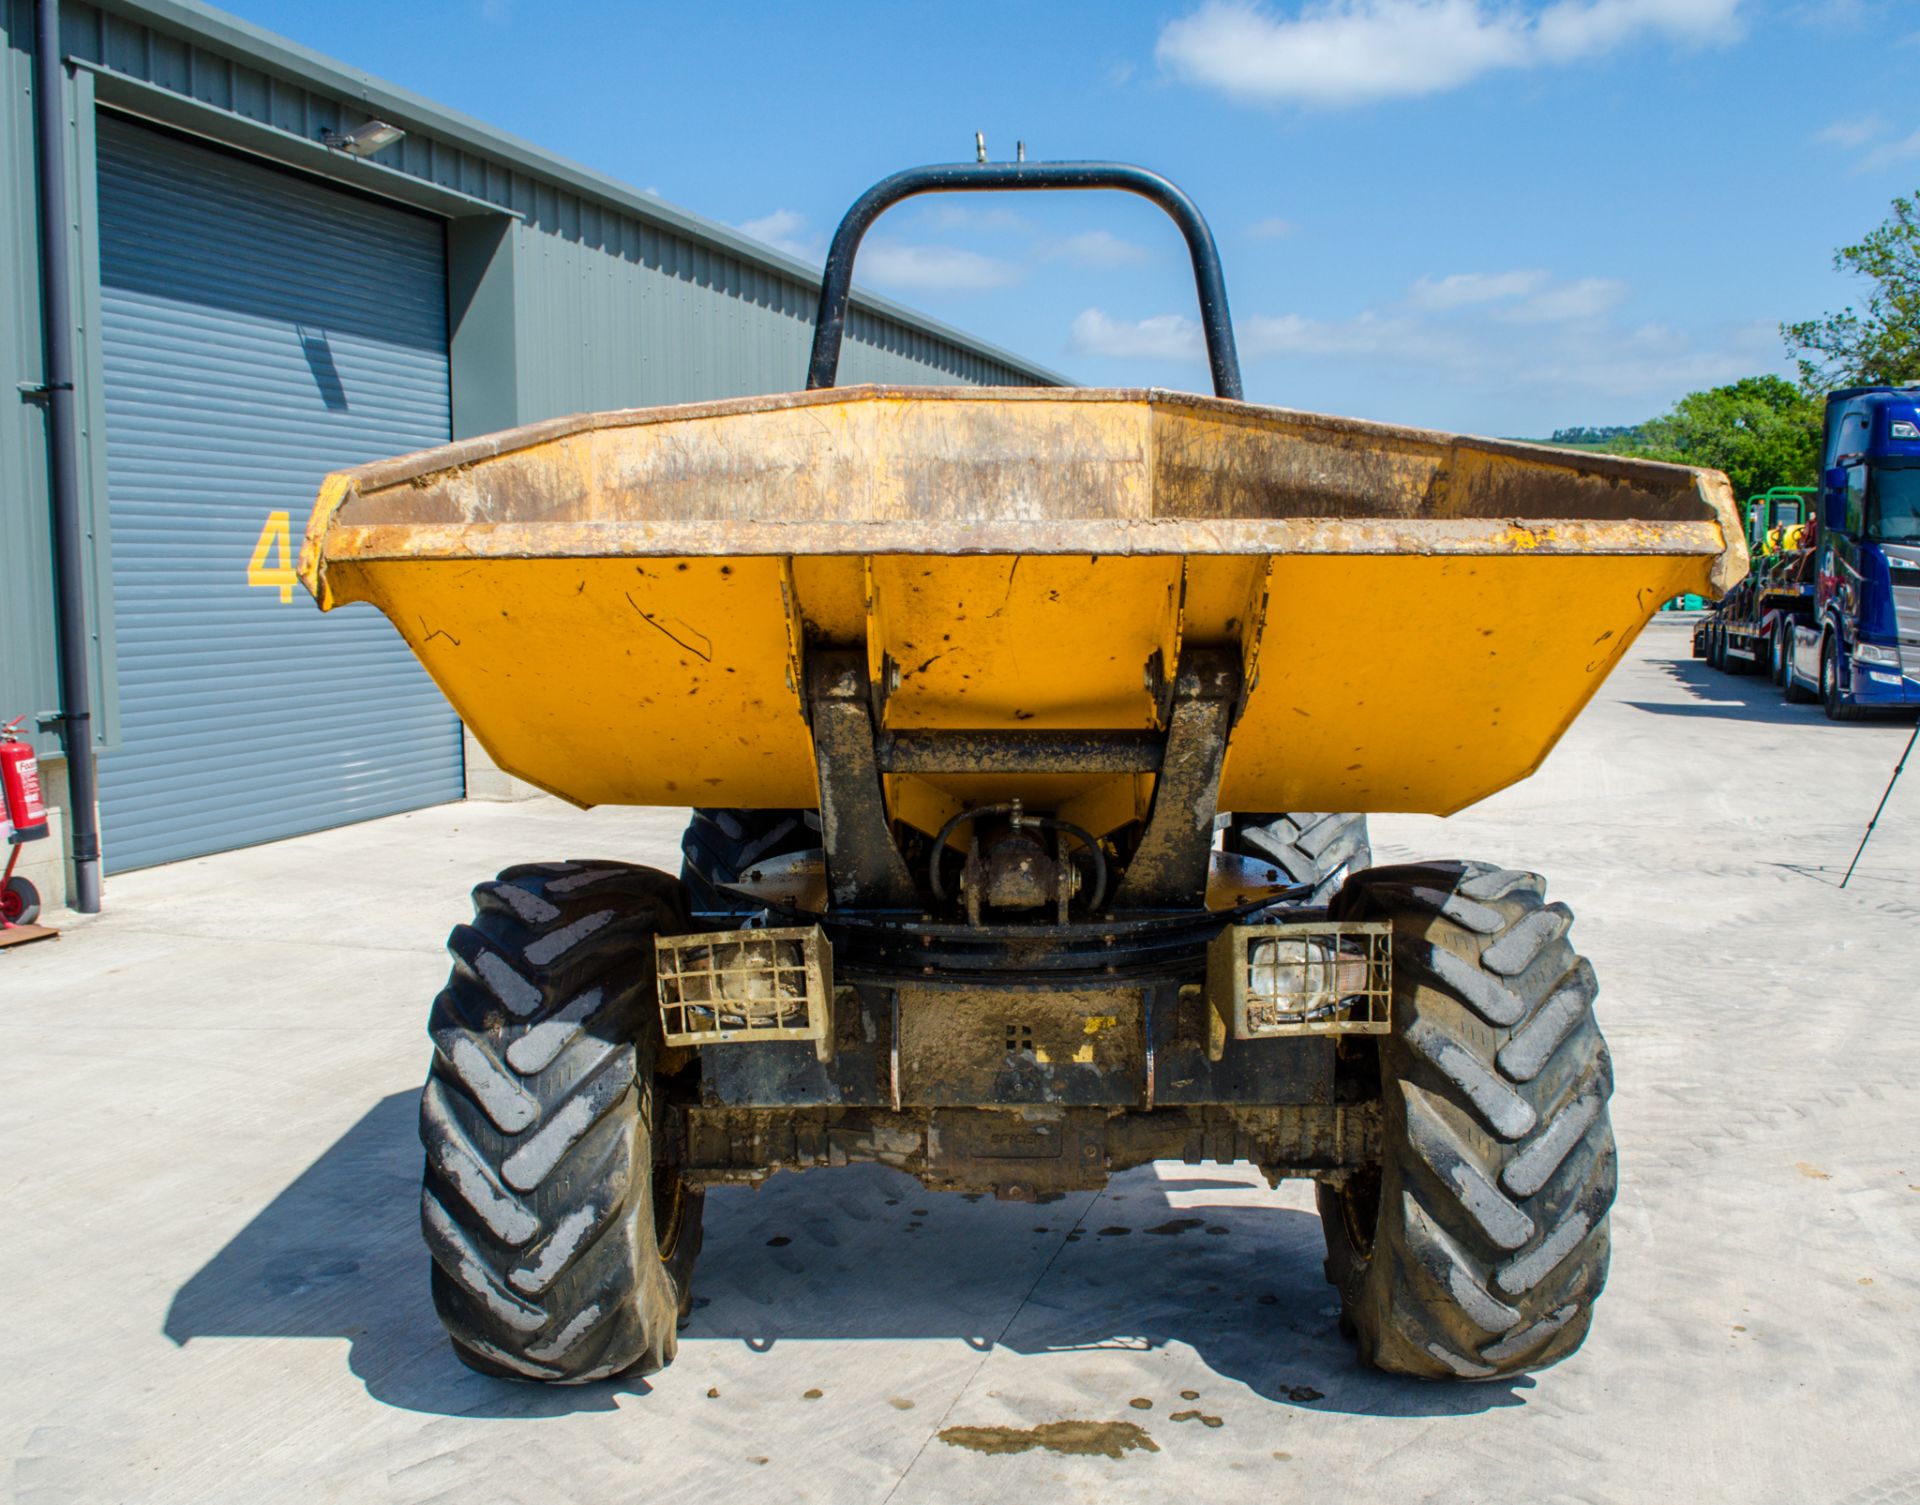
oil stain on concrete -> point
(1083, 1439)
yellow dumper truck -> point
(1009, 717)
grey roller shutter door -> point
(259, 330)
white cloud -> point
(1393, 337)
(1587, 298)
(895, 264)
(1887, 154)
(1273, 227)
(1868, 135)
(951, 216)
(1852, 133)
(1506, 337)
(1839, 15)
(1337, 52)
(785, 230)
(1526, 297)
(1466, 288)
(1095, 248)
(1174, 337)
(1165, 337)
(1650, 365)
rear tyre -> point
(1716, 646)
(20, 902)
(1777, 655)
(1304, 848)
(562, 1236)
(722, 846)
(1478, 1245)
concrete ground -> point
(217, 1290)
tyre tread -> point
(536, 1203)
(1491, 1242)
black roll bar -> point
(963, 177)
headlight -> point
(1873, 653)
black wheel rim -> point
(1360, 1211)
(669, 1186)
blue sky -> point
(1489, 215)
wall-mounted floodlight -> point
(363, 140)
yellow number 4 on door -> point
(275, 535)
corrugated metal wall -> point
(27, 653)
(28, 659)
(259, 330)
(620, 315)
(706, 320)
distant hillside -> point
(1609, 440)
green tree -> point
(1761, 430)
(1880, 342)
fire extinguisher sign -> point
(276, 541)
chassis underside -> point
(1026, 1093)
(1015, 1006)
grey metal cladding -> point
(576, 223)
(259, 330)
(27, 642)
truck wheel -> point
(721, 846)
(1791, 690)
(1317, 849)
(562, 1236)
(1837, 709)
(19, 902)
(1716, 645)
(1478, 1245)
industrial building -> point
(277, 266)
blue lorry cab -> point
(1862, 648)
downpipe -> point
(69, 529)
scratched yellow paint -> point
(620, 606)
(612, 681)
(1424, 684)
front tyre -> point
(1832, 699)
(562, 1236)
(1478, 1245)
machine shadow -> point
(1743, 697)
(1735, 697)
(1171, 1254)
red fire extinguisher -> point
(20, 781)
(26, 818)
